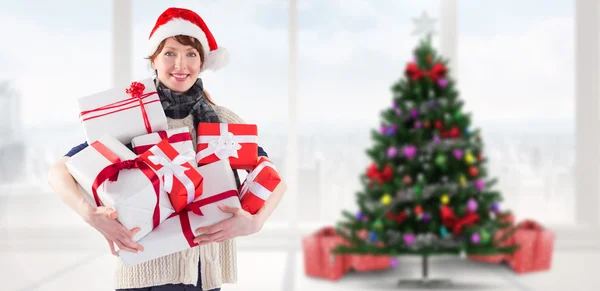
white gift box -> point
(133, 195)
(177, 233)
(179, 138)
(121, 115)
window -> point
(350, 53)
(45, 65)
(49, 57)
(516, 74)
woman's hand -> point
(241, 223)
(104, 220)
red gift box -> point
(536, 245)
(179, 138)
(259, 185)
(318, 259)
(237, 142)
(368, 263)
(181, 179)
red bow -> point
(111, 173)
(381, 176)
(136, 89)
(415, 73)
(399, 218)
(456, 224)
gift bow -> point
(414, 72)
(174, 168)
(381, 176)
(225, 145)
(255, 187)
(111, 173)
(450, 220)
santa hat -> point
(179, 21)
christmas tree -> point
(427, 191)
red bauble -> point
(479, 157)
(438, 125)
(454, 132)
(444, 134)
(418, 210)
(473, 171)
(427, 124)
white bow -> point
(172, 168)
(224, 145)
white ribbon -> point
(174, 168)
(224, 145)
(256, 188)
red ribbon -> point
(381, 176)
(194, 207)
(450, 220)
(415, 73)
(111, 172)
(108, 154)
(137, 96)
(178, 137)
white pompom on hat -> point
(180, 21)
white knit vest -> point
(218, 262)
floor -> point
(283, 270)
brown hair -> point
(185, 40)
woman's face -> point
(177, 65)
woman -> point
(181, 47)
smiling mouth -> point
(179, 77)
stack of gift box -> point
(160, 183)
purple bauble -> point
(391, 130)
(495, 207)
(409, 239)
(359, 215)
(414, 113)
(410, 151)
(418, 124)
(475, 238)
(436, 139)
(393, 262)
(383, 129)
(398, 111)
(472, 205)
(443, 82)
(432, 103)
(458, 154)
(392, 152)
(479, 185)
(426, 217)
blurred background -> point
(527, 70)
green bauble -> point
(440, 160)
(485, 236)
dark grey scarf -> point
(180, 105)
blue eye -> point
(192, 55)
(170, 54)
